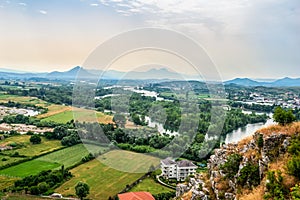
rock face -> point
(223, 187)
(196, 186)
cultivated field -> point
(77, 114)
(54, 109)
(6, 181)
(71, 155)
(29, 149)
(149, 185)
(22, 99)
(32, 167)
(103, 180)
(67, 157)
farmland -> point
(149, 185)
(104, 181)
(78, 114)
(70, 156)
(6, 181)
(67, 157)
(26, 148)
(22, 99)
(28, 168)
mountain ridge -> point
(151, 74)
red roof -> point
(136, 196)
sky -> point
(243, 38)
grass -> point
(21, 99)
(7, 182)
(23, 197)
(149, 185)
(67, 157)
(9, 160)
(32, 167)
(29, 149)
(54, 109)
(103, 180)
(79, 115)
(70, 156)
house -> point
(179, 170)
(136, 196)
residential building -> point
(179, 170)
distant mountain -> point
(161, 74)
(71, 74)
(287, 82)
(284, 82)
(244, 82)
(154, 74)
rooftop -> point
(168, 161)
(136, 196)
(185, 163)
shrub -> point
(295, 192)
(275, 186)
(249, 174)
(35, 139)
(283, 117)
(293, 166)
(231, 166)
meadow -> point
(4, 98)
(32, 167)
(149, 185)
(78, 114)
(26, 148)
(67, 157)
(103, 180)
(71, 155)
(7, 181)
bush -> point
(293, 166)
(35, 139)
(249, 174)
(231, 166)
(295, 192)
(275, 186)
(283, 117)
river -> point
(248, 130)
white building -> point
(179, 170)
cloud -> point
(22, 4)
(43, 12)
(94, 4)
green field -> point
(22, 99)
(67, 157)
(7, 182)
(149, 185)
(28, 168)
(104, 181)
(4, 160)
(29, 149)
(71, 155)
(80, 115)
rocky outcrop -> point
(273, 146)
(196, 186)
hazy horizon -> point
(253, 39)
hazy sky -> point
(244, 38)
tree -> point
(119, 119)
(260, 141)
(82, 190)
(35, 139)
(283, 117)
(231, 166)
